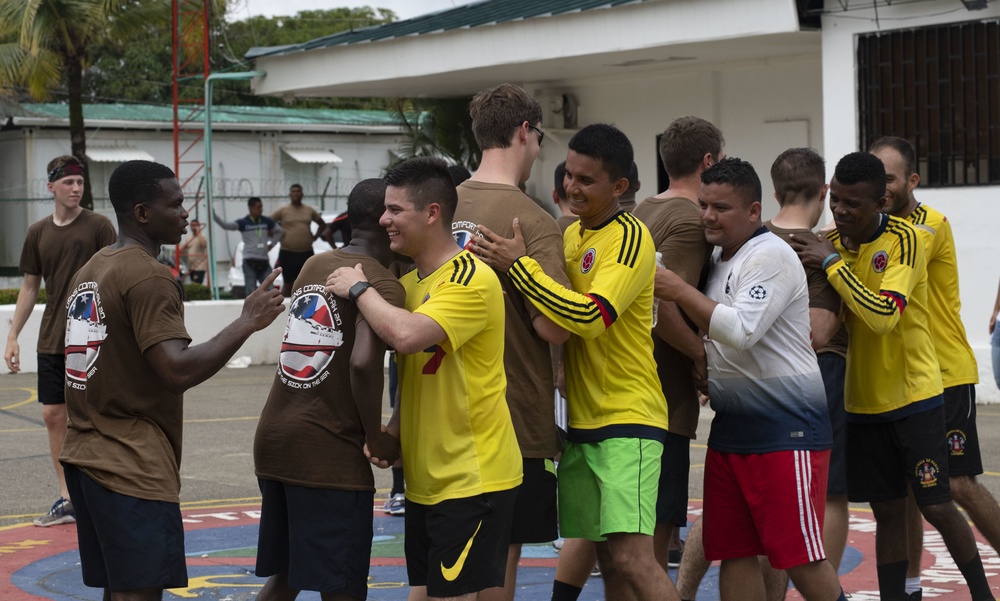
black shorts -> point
(964, 457)
(52, 379)
(884, 457)
(291, 264)
(320, 537)
(833, 368)
(675, 469)
(459, 546)
(536, 510)
(126, 543)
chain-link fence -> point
(327, 195)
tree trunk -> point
(77, 132)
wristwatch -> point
(357, 290)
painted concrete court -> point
(220, 500)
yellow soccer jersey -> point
(890, 359)
(611, 380)
(958, 362)
(457, 436)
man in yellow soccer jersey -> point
(893, 393)
(617, 413)
(463, 466)
(959, 374)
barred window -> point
(938, 87)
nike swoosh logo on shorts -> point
(450, 574)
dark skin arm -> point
(392, 430)
(366, 385)
(182, 366)
(812, 250)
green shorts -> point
(608, 487)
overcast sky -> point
(404, 9)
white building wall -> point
(762, 108)
(968, 208)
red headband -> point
(66, 170)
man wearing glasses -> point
(505, 121)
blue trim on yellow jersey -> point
(617, 431)
(897, 414)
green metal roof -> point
(220, 114)
(478, 14)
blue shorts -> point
(883, 458)
(675, 469)
(833, 368)
(320, 537)
(964, 456)
(52, 379)
(126, 543)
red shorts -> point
(765, 504)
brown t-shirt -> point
(526, 356)
(821, 294)
(295, 233)
(57, 252)
(564, 221)
(124, 425)
(311, 431)
(680, 238)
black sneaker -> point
(674, 556)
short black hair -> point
(136, 182)
(293, 186)
(560, 180)
(738, 174)
(253, 200)
(426, 180)
(900, 145)
(366, 203)
(633, 178)
(608, 144)
(862, 167)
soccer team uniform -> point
(617, 413)
(893, 389)
(123, 445)
(527, 358)
(57, 252)
(317, 485)
(959, 372)
(679, 237)
(458, 443)
(765, 473)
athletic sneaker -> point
(61, 513)
(674, 556)
(395, 505)
(915, 596)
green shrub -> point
(8, 296)
(195, 292)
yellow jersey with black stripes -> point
(611, 382)
(955, 356)
(891, 361)
(455, 428)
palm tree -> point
(41, 41)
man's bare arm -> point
(22, 311)
(404, 331)
(182, 366)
